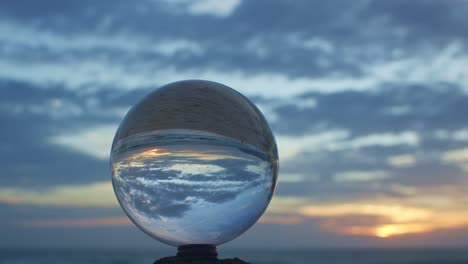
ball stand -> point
(197, 254)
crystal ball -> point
(194, 162)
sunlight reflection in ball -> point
(194, 162)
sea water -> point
(329, 256)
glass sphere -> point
(194, 162)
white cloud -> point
(94, 141)
(296, 177)
(458, 135)
(315, 43)
(360, 176)
(290, 146)
(269, 109)
(214, 7)
(217, 8)
(194, 169)
(398, 213)
(127, 72)
(87, 72)
(76, 73)
(21, 36)
(259, 168)
(61, 108)
(54, 107)
(304, 103)
(385, 140)
(97, 194)
(458, 155)
(337, 140)
(401, 161)
(209, 186)
(446, 65)
(257, 46)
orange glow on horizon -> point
(204, 155)
(285, 220)
(420, 212)
(86, 222)
(397, 213)
(392, 230)
(96, 194)
(151, 153)
(380, 231)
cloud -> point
(298, 61)
(35, 115)
(287, 205)
(458, 135)
(168, 182)
(384, 217)
(396, 213)
(434, 108)
(452, 58)
(95, 141)
(360, 176)
(97, 194)
(85, 72)
(284, 220)
(414, 18)
(268, 107)
(290, 146)
(458, 155)
(387, 139)
(55, 104)
(205, 7)
(57, 43)
(86, 222)
(337, 140)
(314, 43)
(191, 192)
(55, 108)
(404, 160)
(296, 177)
(366, 93)
(363, 227)
(49, 8)
(216, 8)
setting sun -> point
(392, 230)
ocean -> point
(361, 256)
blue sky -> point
(367, 100)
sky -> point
(367, 101)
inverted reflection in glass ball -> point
(194, 163)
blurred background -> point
(368, 101)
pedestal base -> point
(197, 254)
(197, 251)
(180, 260)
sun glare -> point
(152, 153)
(392, 230)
